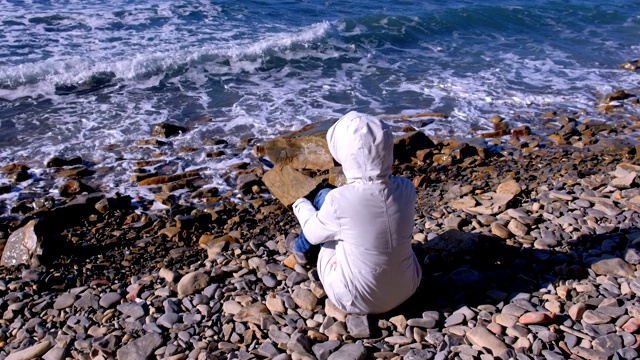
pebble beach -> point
(529, 242)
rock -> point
(612, 266)
(595, 318)
(167, 320)
(167, 274)
(305, 299)
(303, 149)
(500, 230)
(335, 312)
(355, 351)
(192, 283)
(615, 96)
(64, 301)
(463, 203)
(324, 349)
(215, 245)
(400, 321)
(141, 348)
(77, 171)
(608, 344)
(533, 318)
(407, 145)
(427, 323)
(110, 299)
(398, 340)
(454, 241)
(159, 180)
(74, 187)
(589, 354)
(577, 310)
(31, 352)
(491, 203)
(358, 326)
(22, 247)
(517, 228)
(60, 162)
(288, 185)
(253, 313)
(509, 186)
(483, 338)
(275, 304)
(167, 130)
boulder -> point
(306, 148)
(22, 247)
(615, 96)
(167, 130)
(287, 184)
(631, 65)
(407, 145)
(59, 162)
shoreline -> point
(530, 248)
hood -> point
(363, 145)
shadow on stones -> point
(467, 269)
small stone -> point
(168, 320)
(577, 310)
(595, 318)
(141, 348)
(305, 299)
(64, 301)
(454, 319)
(167, 274)
(398, 340)
(358, 326)
(349, 352)
(517, 228)
(275, 304)
(613, 266)
(500, 230)
(533, 318)
(323, 350)
(31, 352)
(400, 322)
(422, 322)
(110, 299)
(192, 283)
(483, 338)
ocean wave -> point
(82, 69)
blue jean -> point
(302, 244)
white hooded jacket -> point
(366, 264)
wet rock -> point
(60, 162)
(167, 130)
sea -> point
(91, 77)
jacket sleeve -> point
(318, 226)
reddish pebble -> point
(495, 328)
(533, 318)
(576, 311)
(632, 325)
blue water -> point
(76, 76)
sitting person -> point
(366, 263)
